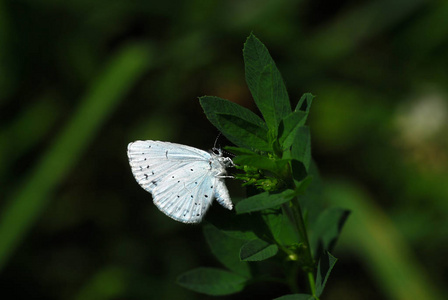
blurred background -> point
(79, 80)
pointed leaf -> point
(280, 227)
(305, 102)
(213, 105)
(299, 171)
(239, 227)
(265, 82)
(301, 147)
(216, 110)
(264, 201)
(211, 281)
(242, 132)
(289, 126)
(226, 249)
(327, 228)
(257, 250)
(266, 95)
(296, 297)
(326, 264)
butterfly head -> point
(223, 161)
(226, 161)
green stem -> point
(295, 215)
(312, 284)
(309, 266)
(300, 222)
(292, 280)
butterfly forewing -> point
(183, 180)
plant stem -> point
(295, 215)
(312, 284)
(292, 280)
(300, 222)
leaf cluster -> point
(277, 222)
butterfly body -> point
(183, 180)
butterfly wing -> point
(179, 177)
(187, 199)
(222, 194)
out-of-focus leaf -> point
(30, 198)
(343, 35)
(395, 268)
(212, 281)
(325, 232)
(109, 283)
(296, 297)
(257, 250)
(225, 249)
(324, 267)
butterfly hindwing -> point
(185, 200)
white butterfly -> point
(183, 180)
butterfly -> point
(183, 180)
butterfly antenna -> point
(216, 140)
(219, 149)
(214, 145)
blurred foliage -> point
(80, 79)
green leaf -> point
(262, 162)
(239, 151)
(327, 228)
(211, 281)
(299, 172)
(326, 264)
(266, 96)
(265, 82)
(301, 147)
(280, 227)
(242, 132)
(296, 297)
(215, 105)
(230, 118)
(305, 103)
(264, 201)
(257, 250)
(239, 227)
(289, 126)
(226, 249)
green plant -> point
(283, 220)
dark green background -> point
(81, 79)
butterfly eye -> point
(217, 151)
